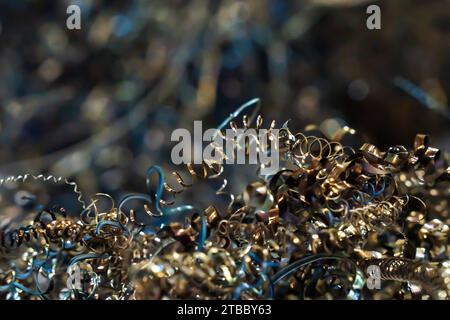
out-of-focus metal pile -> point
(309, 231)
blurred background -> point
(98, 105)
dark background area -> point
(98, 105)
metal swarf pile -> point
(311, 231)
